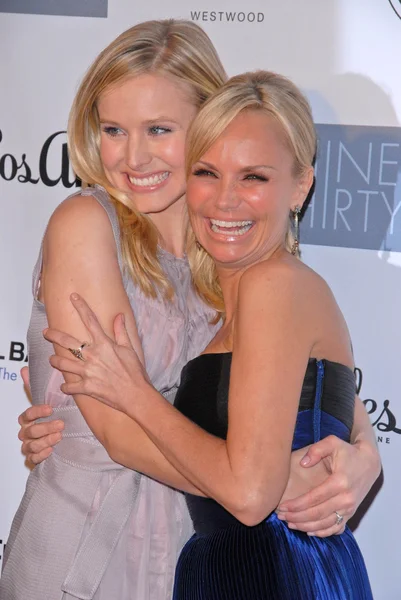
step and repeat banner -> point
(343, 54)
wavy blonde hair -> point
(277, 97)
(178, 49)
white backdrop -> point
(345, 55)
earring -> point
(295, 246)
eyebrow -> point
(243, 170)
(148, 122)
(161, 118)
(109, 122)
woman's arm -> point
(80, 255)
(332, 473)
(248, 472)
(362, 431)
(104, 375)
(352, 470)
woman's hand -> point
(351, 468)
(110, 371)
(37, 438)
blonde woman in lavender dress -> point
(87, 527)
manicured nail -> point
(45, 331)
(123, 318)
(74, 296)
(281, 516)
(305, 461)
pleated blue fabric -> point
(226, 560)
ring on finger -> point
(339, 518)
(77, 352)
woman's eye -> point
(203, 173)
(255, 177)
(157, 130)
(112, 131)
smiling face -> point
(242, 189)
(144, 121)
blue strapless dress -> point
(226, 560)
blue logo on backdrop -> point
(16, 353)
(357, 198)
(396, 4)
(66, 8)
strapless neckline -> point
(311, 361)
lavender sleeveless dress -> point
(86, 527)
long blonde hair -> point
(277, 97)
(179, 49)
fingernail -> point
(74, 296)
(59, 425)
(291, 526)
(280, 516)
(45, 331)
(123, 318)
(282, 508)
(305, 460)
(311, 533)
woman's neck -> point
(230, 278)
(172, 225)
(229, 282)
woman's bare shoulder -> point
(78, 208)
(77, 217)
(285, 275)
(287, 287)
(293, 297)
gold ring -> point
(339, 518)
(77, 352)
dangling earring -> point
(295, 245)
